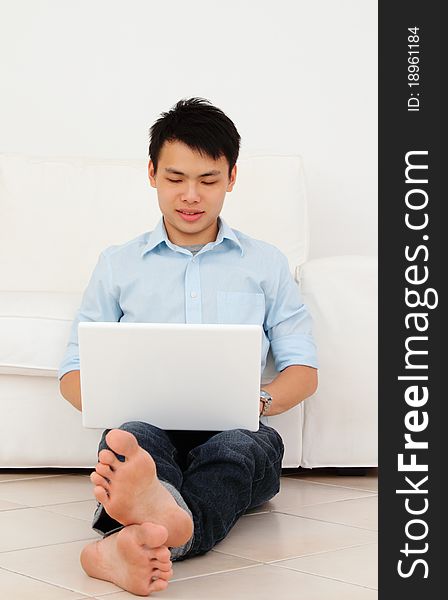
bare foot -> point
(131, 493)
(136, 559)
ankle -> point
(183, 530)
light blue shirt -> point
(235, 279)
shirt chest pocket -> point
(240, 308)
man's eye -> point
(208, 182)
(175, 180)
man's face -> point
(191, 189)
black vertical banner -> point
(413, 433)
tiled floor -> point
(316, 540)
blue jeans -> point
(215, 476)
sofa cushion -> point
(34, 329)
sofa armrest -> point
(34, 329)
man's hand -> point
(70, 388)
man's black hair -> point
(201, 126)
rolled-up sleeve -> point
(288, 324)
(99, 303)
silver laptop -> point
(174, 376)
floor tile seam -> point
(45, 546)
(233, 555)
(311, 554)
(11, 482)
(268, 562)
(20, 507)
(325, 521)
(325, 577)
(38, 506)
(272, 563)
(334, 501)
(342, 487)
(45, 509)
(271, 510)
(339, 500)
(34, 578)
(105, 595)
(319, 552)
(32, 478)
(258, 564)
(69, 502)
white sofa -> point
(57, 214)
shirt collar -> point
(159, 235)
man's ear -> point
(232, 179)
(152, 174)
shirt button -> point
(193, 294)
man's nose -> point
(191, 194)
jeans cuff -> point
(179, 551)
(104, 524)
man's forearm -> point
(70, 388)
(290, 387)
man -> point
(169, 495)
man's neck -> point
(184, 239)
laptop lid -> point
(172, 375)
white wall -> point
(88, 77)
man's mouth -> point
(190, 215)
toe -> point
(153, 536)
(122, 442)
(166, 575)
(158, 585)
(104, 470)
(106, 457)
(162, 554)
(99, 480)
(100, 494)
(161, 566)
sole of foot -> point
(135, 559)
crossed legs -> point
(137, 557)
(212, 484)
